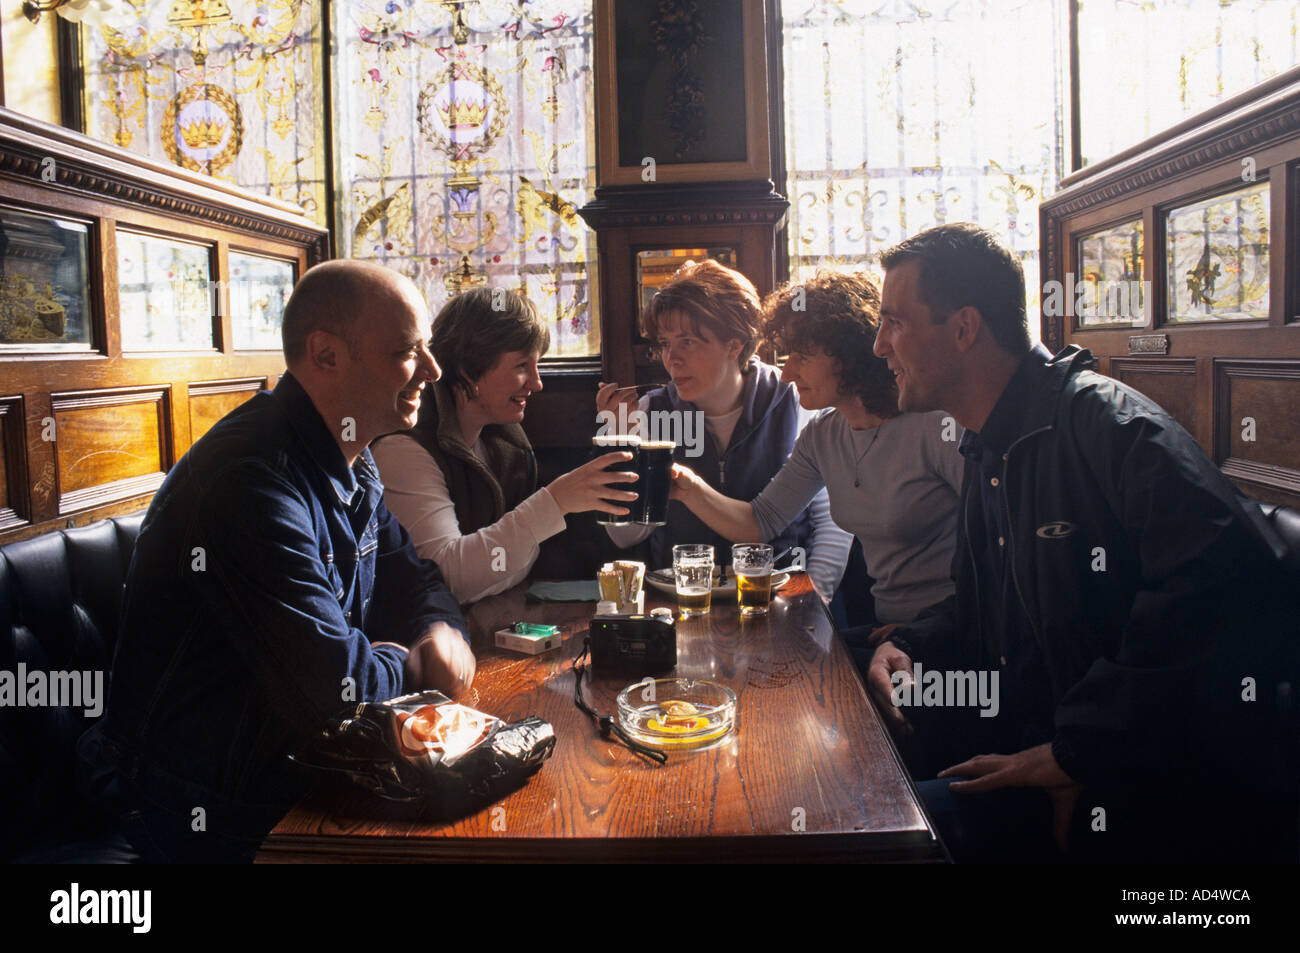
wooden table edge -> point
(941, 848)
(904, 847)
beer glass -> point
(693, 573)
(609, 443)
(752, 563)
(654, 467)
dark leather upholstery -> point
(59, 600)
(1286, 523)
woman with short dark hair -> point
(463, 481)
(894, 480)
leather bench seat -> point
(60, 596)
(1286, 523)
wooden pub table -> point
(810, 774)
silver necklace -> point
(857, 476)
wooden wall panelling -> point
(1215, 372)
(209, 401)
(111, 445)
(14, 506)
(178, 423)
(1291, 241)
(39, 434)
(123, 419)
(1259, 399)
(736, 65)
(1279, 301)
(1206, 388)
(1153, 265)
(1170, 382)
(222, 333)
(107, 307)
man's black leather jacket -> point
(1167, 624)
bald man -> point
(270, 587)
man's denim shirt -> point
(263, 571)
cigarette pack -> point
(527, 644)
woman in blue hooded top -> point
(705, 322)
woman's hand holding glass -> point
(588, 487)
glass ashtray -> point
(677, 712)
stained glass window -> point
(1109, 288)
(463, 130)
(903, 115)
(230, 88)
(1145, 66)
(466, 146)
(1217, 258)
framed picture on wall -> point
(44, 283)
(681, 92)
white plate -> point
(661, 580)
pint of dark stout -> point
(654, 467)
(611, 443)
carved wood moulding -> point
(1132, 365)
(45, 156)
(743, 204)
(13, 463)
(239, 385)
(1253, 125)
(1276, 403)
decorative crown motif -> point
(463, 115)
(204, 133)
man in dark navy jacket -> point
(1132, 605)
(270, 586)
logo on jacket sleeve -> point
(1057, 530)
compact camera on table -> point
(625, 640)
(633, 645)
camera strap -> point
(607, 724)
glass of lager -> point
(693, 573)
(752, 563)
